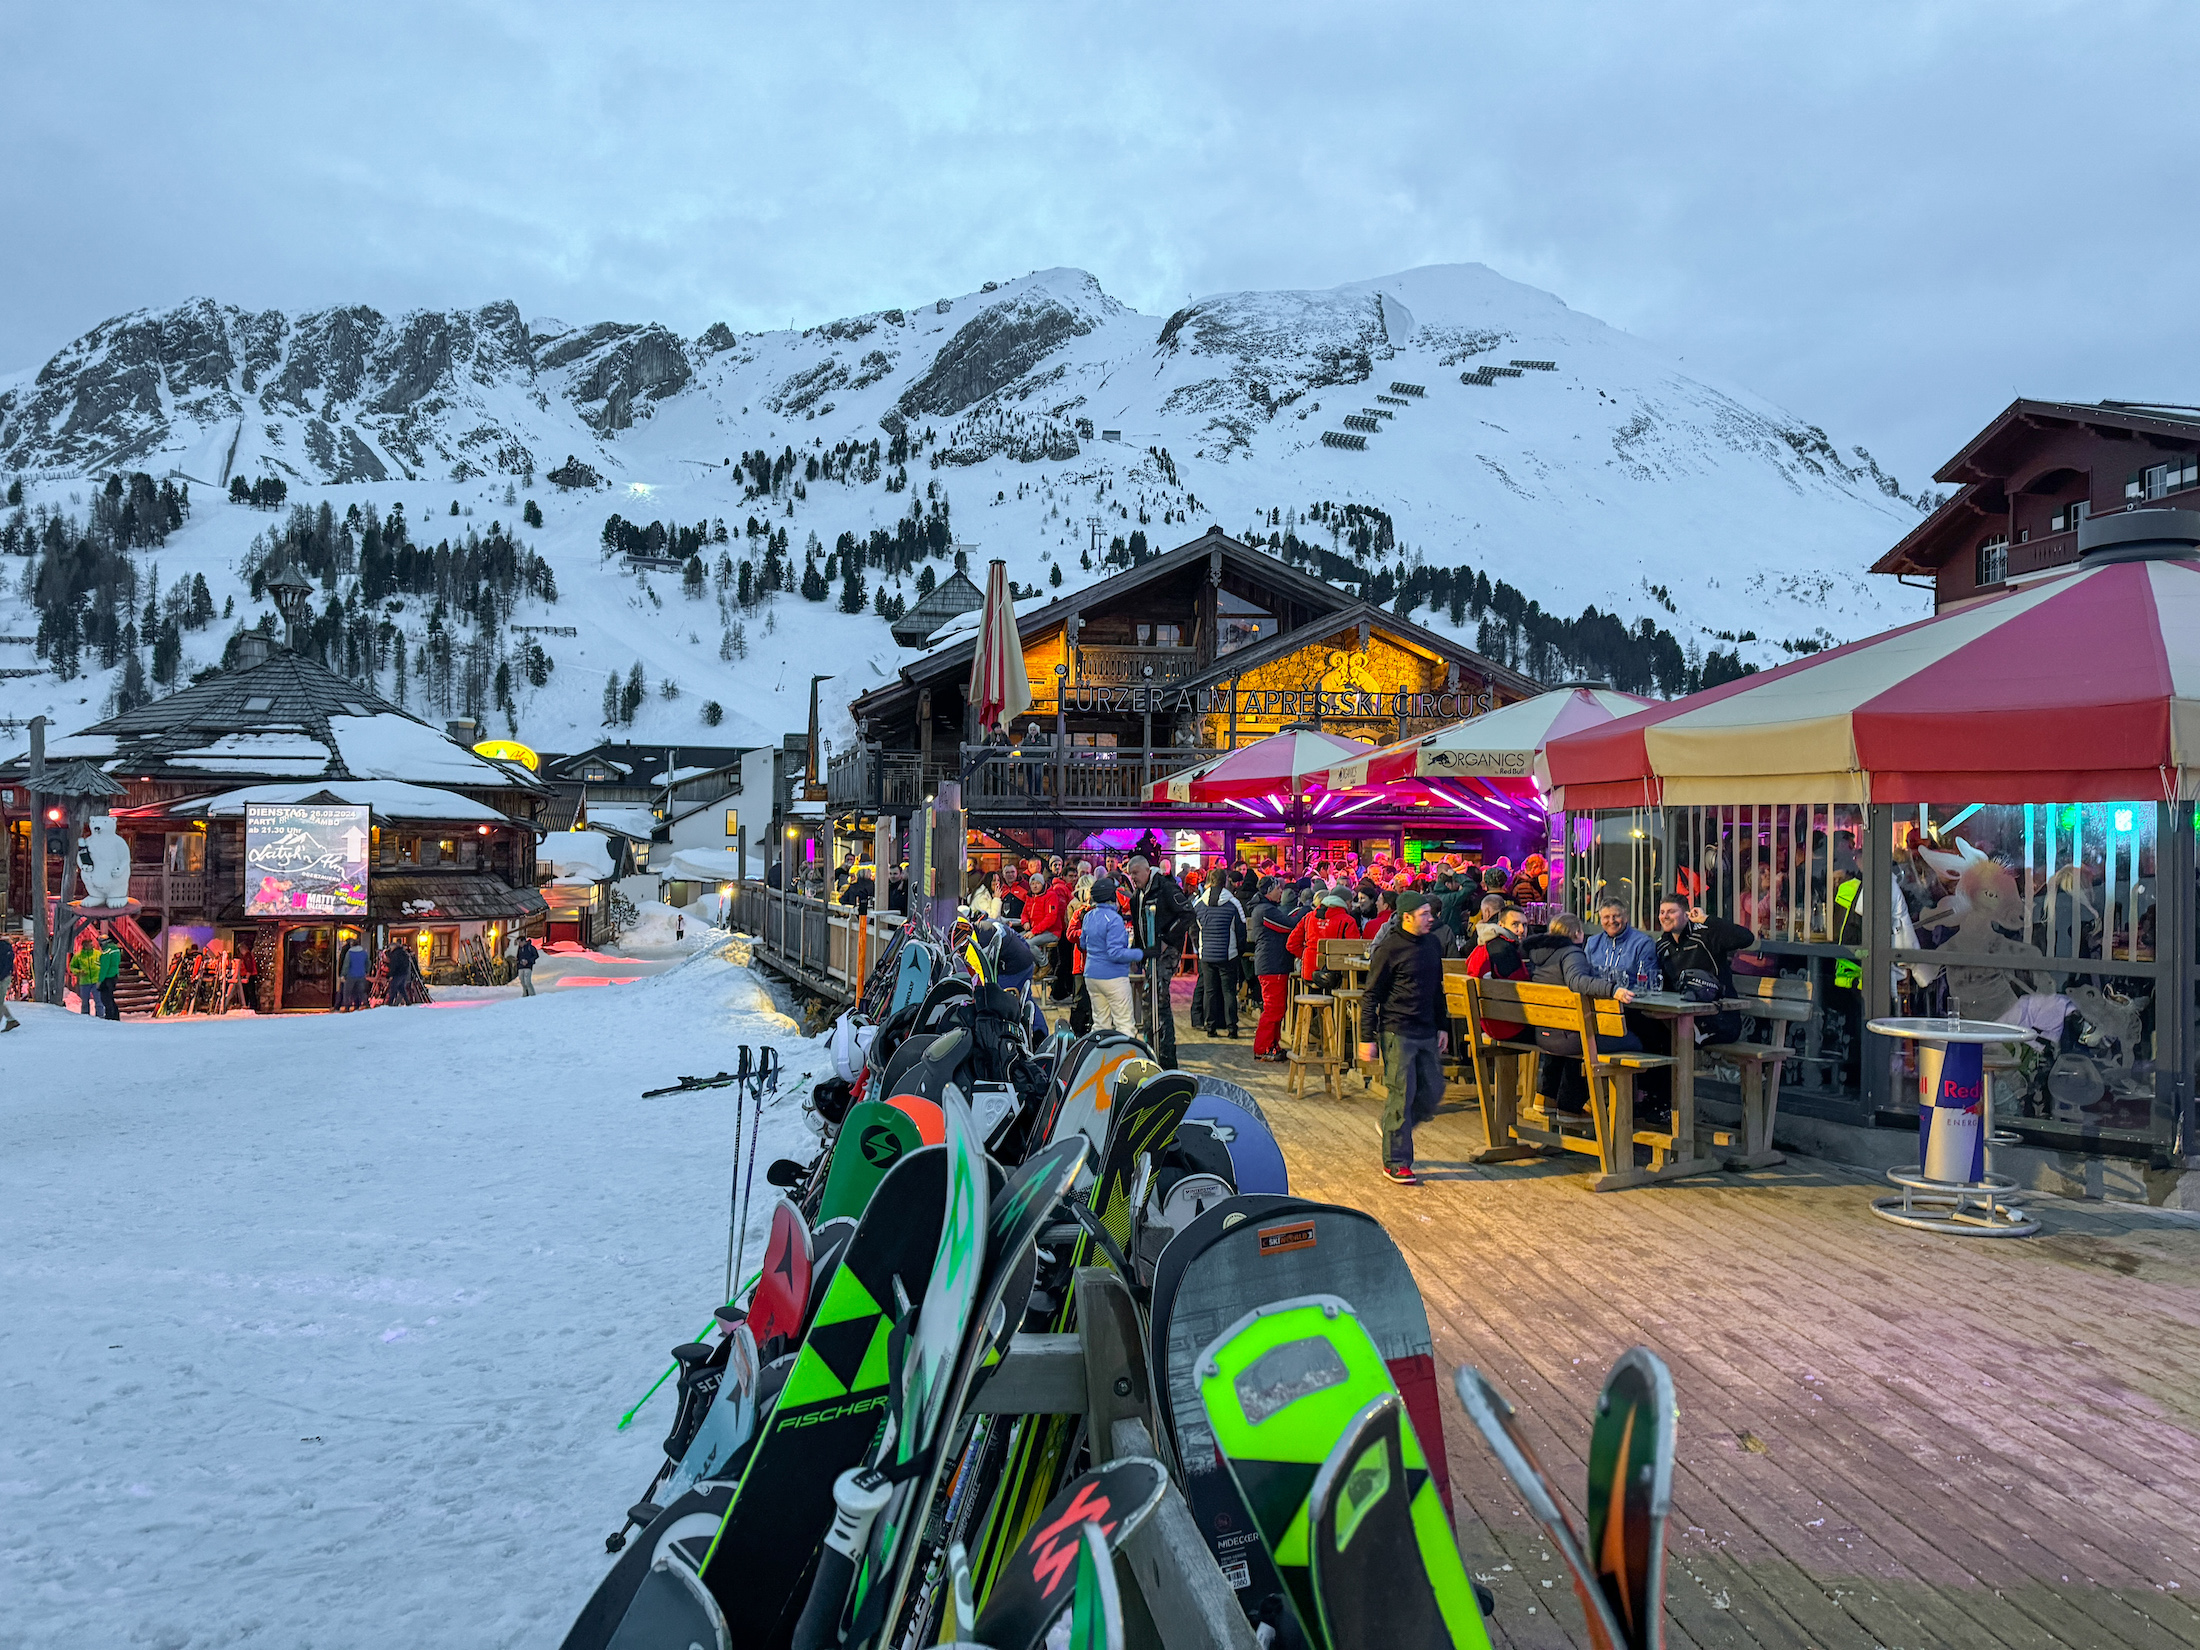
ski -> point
(781, 1298)
(1365, 1523)
(1500, 1429)
(1036, 1585)
(829, 1409)
(730, 1421)
(872, 1501)
(1018, 1216)
(1096, 1613)
(1631, 1492)
(1278, 1387)
(1139, 1125)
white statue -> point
(103, 865)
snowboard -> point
(1040, 1575)
(1088, 1094)
(1256, 1161)
(781, 1298)
(1366, 1524)
(830, 1408)
(912, 978)
(1278, 1387)
(873, 1138)
(1287, 1248)
(1018, 1216)
(600, 1617)
(672, 1607)
(1236, 1093)
(1631, 1492)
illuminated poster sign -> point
(305, 860)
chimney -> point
(461, 728)
(254, 647)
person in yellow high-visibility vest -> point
(1847, 998)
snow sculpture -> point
(103, 865)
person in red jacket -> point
(1331, 919)
(1045, 909)
(1499, 958)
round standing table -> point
(1953, 1191)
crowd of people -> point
(1077, 930)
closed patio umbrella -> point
(999, 690)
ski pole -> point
(733, 1192)
(860, 1494)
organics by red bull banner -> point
(1952, 1123)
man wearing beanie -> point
(1405, 993)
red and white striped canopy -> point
(1499, 746)
(998, 687)
(2082, 688)
(1284, 764)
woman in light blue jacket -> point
(1109, 958)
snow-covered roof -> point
(388, 798)
(576, 855)
(628, 819)
(704, 865)
(394, 746)
(677, 775)
(965, 625)
(286, 717)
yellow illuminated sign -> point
(509, 750)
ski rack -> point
(1173, 1584)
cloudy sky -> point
(1889, 217)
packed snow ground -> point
(319, 1328)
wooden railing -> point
(1099, 666)
(811, 942)
(1007, 778)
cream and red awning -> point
(2082, 688)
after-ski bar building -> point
(1201, 650)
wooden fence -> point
(810, 942)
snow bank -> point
(584, 854)
(319, 1327)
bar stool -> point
(1313, 1018)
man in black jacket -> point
(1157, 892)
(1405, 993)
(1689, 941)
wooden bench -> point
(1608, 1133)
(1781, 1000)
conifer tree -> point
(852, 593)
(611, 699)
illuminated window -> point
(733, 823)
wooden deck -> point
(1887, 1439)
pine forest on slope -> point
(566, 530)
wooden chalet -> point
(1199, 651)
(2025, 482)
(451, 848)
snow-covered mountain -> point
(1491, 425)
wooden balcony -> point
(1003, 779)
(1135, 666)
(162, 890)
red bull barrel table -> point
(1953, 1190)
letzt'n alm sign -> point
(305, 859)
